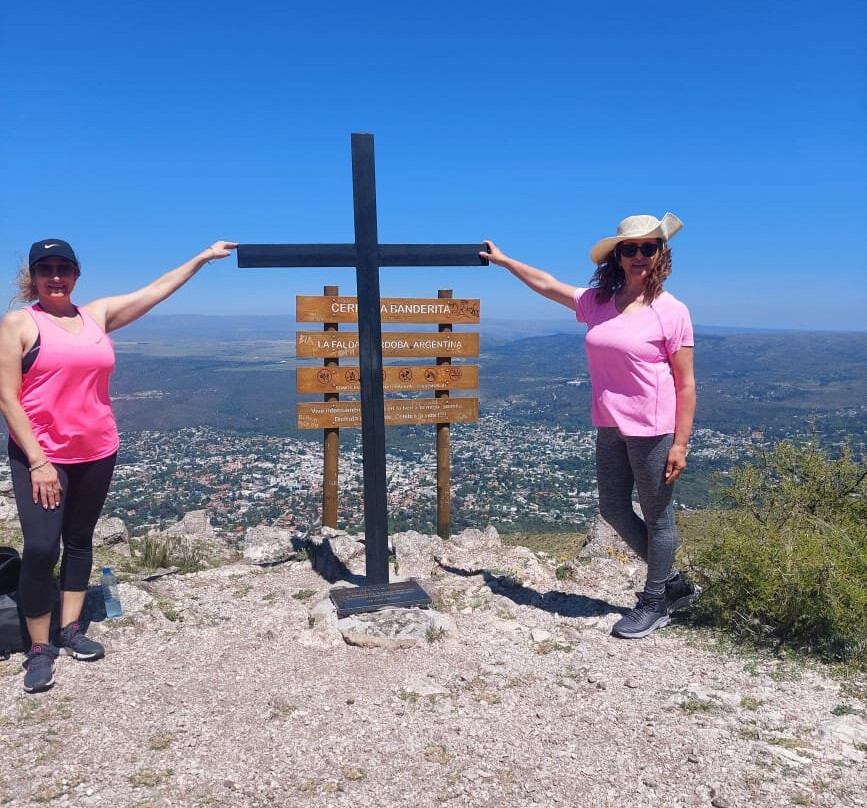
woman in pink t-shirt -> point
(55, 362)
(639, 348)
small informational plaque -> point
(401, 594)
(395, 378)
(336, 414)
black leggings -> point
(85, 487)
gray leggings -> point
(621, 463)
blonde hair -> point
(26, 285)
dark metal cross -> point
(367, 255)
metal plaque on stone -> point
(397, 595)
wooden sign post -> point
(331, 439)
(438, 379)
(444, 465)
(367, 255)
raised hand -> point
(221, 249)
(494, 254)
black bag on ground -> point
(10, 566)
(14, 636)
(12, 626)
(13, 629)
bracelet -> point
(38, 466)
(213, 253)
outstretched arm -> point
(544, 283)
(115, 312)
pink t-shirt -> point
(65, 392)
(628, 358)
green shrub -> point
(788, 563)
(159, 550)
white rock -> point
(424, 687)
(387, 628)
(846, 734)
(416, 553)
(110, 531)
(194, 523)
(269, 545)
(474, 539)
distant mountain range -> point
(236, 373)
(177, 328)
(219, 328)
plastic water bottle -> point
(109, 593)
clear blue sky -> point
(141, 132)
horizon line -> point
(554, 326)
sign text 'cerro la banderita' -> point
(395, 378)
(325, 309)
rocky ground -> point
(239, 687)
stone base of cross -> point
(367, 255)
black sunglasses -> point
(62, 269)
(629, 250)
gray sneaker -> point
(73, 643)
(680, 592)
(648, 615)
(39, 665)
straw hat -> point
(634, 227)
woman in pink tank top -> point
(639, 348)
(55, 362)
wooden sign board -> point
(345, 379)
(339, 414)
(324, 344)
(317, 309)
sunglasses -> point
(647, 249)
(61, 270)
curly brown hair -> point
(609, 276)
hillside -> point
(746, 381)
(237, 687)
(237, 373)
(221, 400)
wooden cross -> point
(367, 255)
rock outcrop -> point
(271, 545)
(191, 538)
(110, 531)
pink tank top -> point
(65, 392)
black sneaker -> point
(73, 643)
(680, 592)
(648, 615)
(39, 665)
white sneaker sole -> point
(664, 620)
(82, 657)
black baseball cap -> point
(51, 246)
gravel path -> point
(216, 692)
